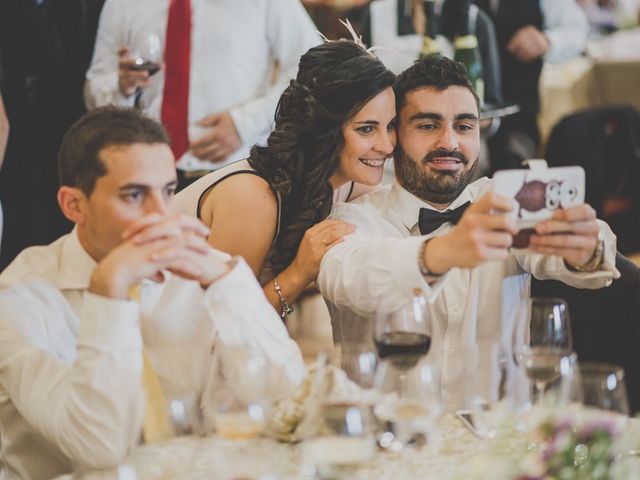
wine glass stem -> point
(403, 385)
(540, 387)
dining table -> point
(214, 457)
(451, 454)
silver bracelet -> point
(284, 305)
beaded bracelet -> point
(284, 305)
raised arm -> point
(103, 83)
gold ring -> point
(324, 242)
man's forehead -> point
(141, 163)
(429, 98)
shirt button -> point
(452, 351)
(456, 308)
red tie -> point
(175, 99)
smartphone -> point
(538, 193)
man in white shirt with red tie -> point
(407, 237)
(72, 335)
(226, 62)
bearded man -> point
(434, 231)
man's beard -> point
(441, 187)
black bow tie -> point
(430, 220)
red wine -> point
(149, 66)
(403, 349)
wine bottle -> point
(466, 48)
(429, 44)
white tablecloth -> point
(213, 458)
(456, 455)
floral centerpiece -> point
(572, 445)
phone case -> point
(538, 193)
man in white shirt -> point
(243, 53)
(71, 341)
(468, 272)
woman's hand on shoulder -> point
(316, 241)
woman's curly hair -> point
(335, 80)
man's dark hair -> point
(432, 71)
(79, 162)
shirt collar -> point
(407, 206)
(76, 265)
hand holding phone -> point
(537, 195)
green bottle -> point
(466, 48)
(429, 44)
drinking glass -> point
(185, 415)
(403, 336)
(242, 398)
(359, 363)
(345, 445)
(146, 50)
(541, 339)
(407, 418)
(602, 387)
(489, 383)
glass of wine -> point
(146, 50)
(403, 336)
(542, 341)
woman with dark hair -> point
(334, 129)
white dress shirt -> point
(379, 263)
(71, 361)
(243, 54)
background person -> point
(225, 65)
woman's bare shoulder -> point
(247, 195)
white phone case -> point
(538, 193)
